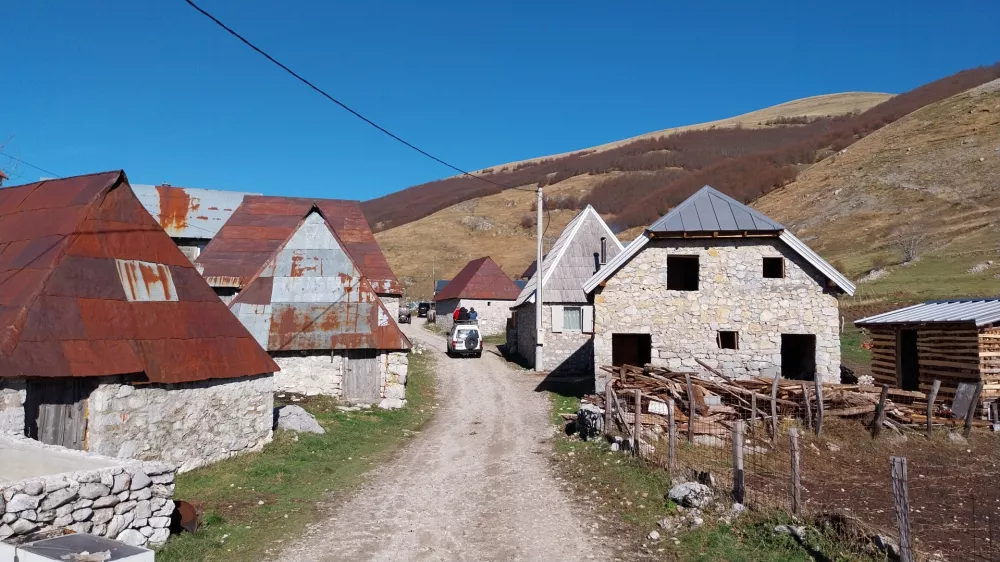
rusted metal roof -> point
(261, 224)
(311, 295)
(90, 285)
(186, 212)
(480, 279)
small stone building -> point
(191, 217)
(481, 285)
(582, 248)
(718, 281)
(310, 304)
(110, 340)
(954, 341)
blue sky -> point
(156, 89)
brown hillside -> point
(934, 173)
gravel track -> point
(476, 484)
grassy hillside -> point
(932, 175)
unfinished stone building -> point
(481, 285)
(582, 248)
(310, 304)
(718, 281)
(112, 342)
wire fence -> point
(927, 495)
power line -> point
(29, 164)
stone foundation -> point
(189, 424)
(732, 295)
(493, 315)
(316, 372)
(12, 396)
(131, 502)
(393, 369)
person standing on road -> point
(473, 315)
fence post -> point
(637, 423)
(608, 404)
(930, 406)
(621, 373)
(973, 406)
(671, 436)
(793, 434)
(753, 411)
(819, 405)
(809, 413)
(691, 403)
(774, 408)
(738, 486)
(901, 501)
(880, 412)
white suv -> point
(465, 339)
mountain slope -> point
(932, 175)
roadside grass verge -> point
(630, 499)
(255, 502)
(495, 339)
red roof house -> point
(96, 297)
(482, 285)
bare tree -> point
(8, 169)
(910, 242)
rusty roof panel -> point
(98, 288)
(318, 297)
(480, 279)
(276, 218)
(186, 212)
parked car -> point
(465, 339)
(422, 309)
(404, 315)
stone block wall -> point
(131, 502)
(563, 352)
(189, 424)
(493, 315)
(12, 396)
(526, 339)
(312, 373)
(393, 369)
(732, 295)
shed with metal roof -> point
(102, 317)
(952, 340)
(482, 285)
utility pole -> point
(539, 333)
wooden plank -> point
(793, 434)
(930, 405)
(692, 408)
(901, 502)
(774, 408)
(805, 399)
(608, 406)
(671, 436)
(819, 406)
(973, 406)
(973, 366)
(739, 489)
(637, 423)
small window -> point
(572, 318)
(682, 273)
(774, 268)
(728, 340)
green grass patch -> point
(495, 339)
(851, 351)
(256, 501)
(563, 405)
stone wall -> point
(312, 373)
(393, 370)
(131, 502)
(493, 315)
(189, 424)
(391, 303)
(12, 396)
(563, 352)
(732, 295)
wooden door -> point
(55, 411)
(361, 376)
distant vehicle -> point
(465, 339)
(404, 315)
(422, 309)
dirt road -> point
(475, 485)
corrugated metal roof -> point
(440, 284)
(570, 261)
(186, 212)
(710, 210)
(310, 295)
(480, 279)
(982, 312)
(261, 224)
(91, 285)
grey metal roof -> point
(440, 284)
(186, 212)
(710, 210)
(983, 312)
(570, 261)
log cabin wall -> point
(989, 362)
(951, 353)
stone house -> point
(262, 223)
(112, 342)
(481, 285)
(310, 304)
(567, 315)
(718, 281)
(191, 217)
